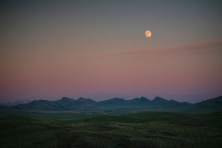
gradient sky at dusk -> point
(97, 49)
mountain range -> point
(158, 103)
(10, 104)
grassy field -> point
(144, 129)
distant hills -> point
(9, 104)
(158, 103)
(211, 105)
(61, 105)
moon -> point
(148, 33)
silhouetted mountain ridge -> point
(119, 103)
(210, 105)
(159, 99)
(141, 99)
(10, 104)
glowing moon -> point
(148, 33)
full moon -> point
(148, 33)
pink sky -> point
(179, 70)
(97, 49)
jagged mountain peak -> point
(159, 99)
(141, 99)
(85, 100)
(119, 98)
(82, 99)
(66, 98)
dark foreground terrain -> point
(138, 130)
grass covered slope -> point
(25, 132)
(147, 129)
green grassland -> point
(94, 129)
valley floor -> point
(145, 129)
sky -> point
(97, 49)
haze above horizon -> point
(98, 50)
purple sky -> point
(97, 49)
